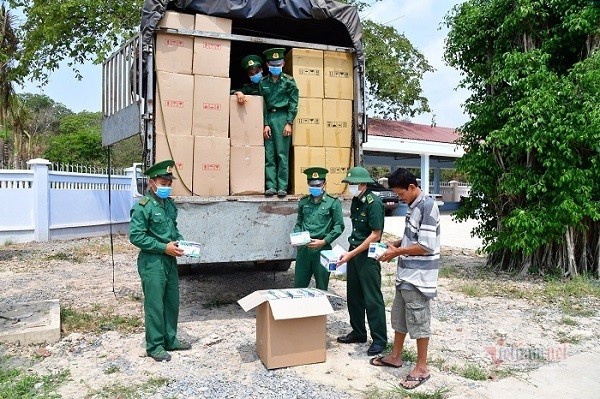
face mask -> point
(354, 190)
(256, 77)
(275, 70)
(315, 191)
(163, 192)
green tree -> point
(8, 49)
(79, 141)
(532, 153)
(393, 82)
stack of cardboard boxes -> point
(323, 127)
(192, 114)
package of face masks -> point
(376, 249)
(330, 257)
(190, 248)
(300, 238)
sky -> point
(419, 20)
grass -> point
(112, 369)
(397, 392)
(565, 338)
(474, 372)
(97, 319)
(218, 303)
(121, 391)
(471, 289)
(450, 272)
(17, 383)
(566, 320)
(73, 258)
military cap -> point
(357, 175)
(315, 173)
(161, 169)
(251, 61)
(274, 54)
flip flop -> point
(410, 378)
(382, 363)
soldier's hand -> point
(241, 98)
(345, 258)
(173, 250)
(315, 244)
(287, 130)
(267, 133)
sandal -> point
(410, 378)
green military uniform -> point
(153, 225)
(281, 107)
(252, 89)
(324, 220)
(364, 273)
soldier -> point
(281, 106)
(321, 215)
(153, 229)
(364, 274)
(252, 64)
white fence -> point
(453, 190)
(41, 205)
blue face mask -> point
(275, 70)
(163, 192)
(315, 191)
(256, 77)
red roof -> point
(411, 131)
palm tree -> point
(8, 50)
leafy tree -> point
(532, 153)
(79, 141)
(45, 114)
(8, 48)
(47, 37)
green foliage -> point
(77, 148)
(96, 320)
(532, 152)
(16, 383)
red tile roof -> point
(411, 131)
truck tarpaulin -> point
(317, 21)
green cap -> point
(274, 54)
(315, 173)
(251, 61)
(161, 169)
(357, 175)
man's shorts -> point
(411, 314)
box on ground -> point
(247, 170)
(174, 103)
(306, 66)
(308, 125)
(337, 162)
(305, 157)
(211, 106)
(174, 53)
(290, 325)
(211, 166)
(246, 121)
(337, 127)
(181, 150)
(338, 80)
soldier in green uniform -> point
(321, 215)
(252, 65)
(364, 273)
(153, 229)
(281, 106)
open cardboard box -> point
(290, 325)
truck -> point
(247, 228)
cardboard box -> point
(376, 249)
(246, 121)
(174, 53)
(337, 161)
(337, 128)
(290, 325)
(308, 125)
(247, 170)
(211, 106)
(306, 66)
(211, 57)
(177, 20)
(211, 166)
(305, 157)
(338, 81)
(181, 150)
(174, 103)
(299, 239)
(212, 24)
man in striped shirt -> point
(416, 280)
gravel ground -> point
(467, 330)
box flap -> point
(252, 300)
